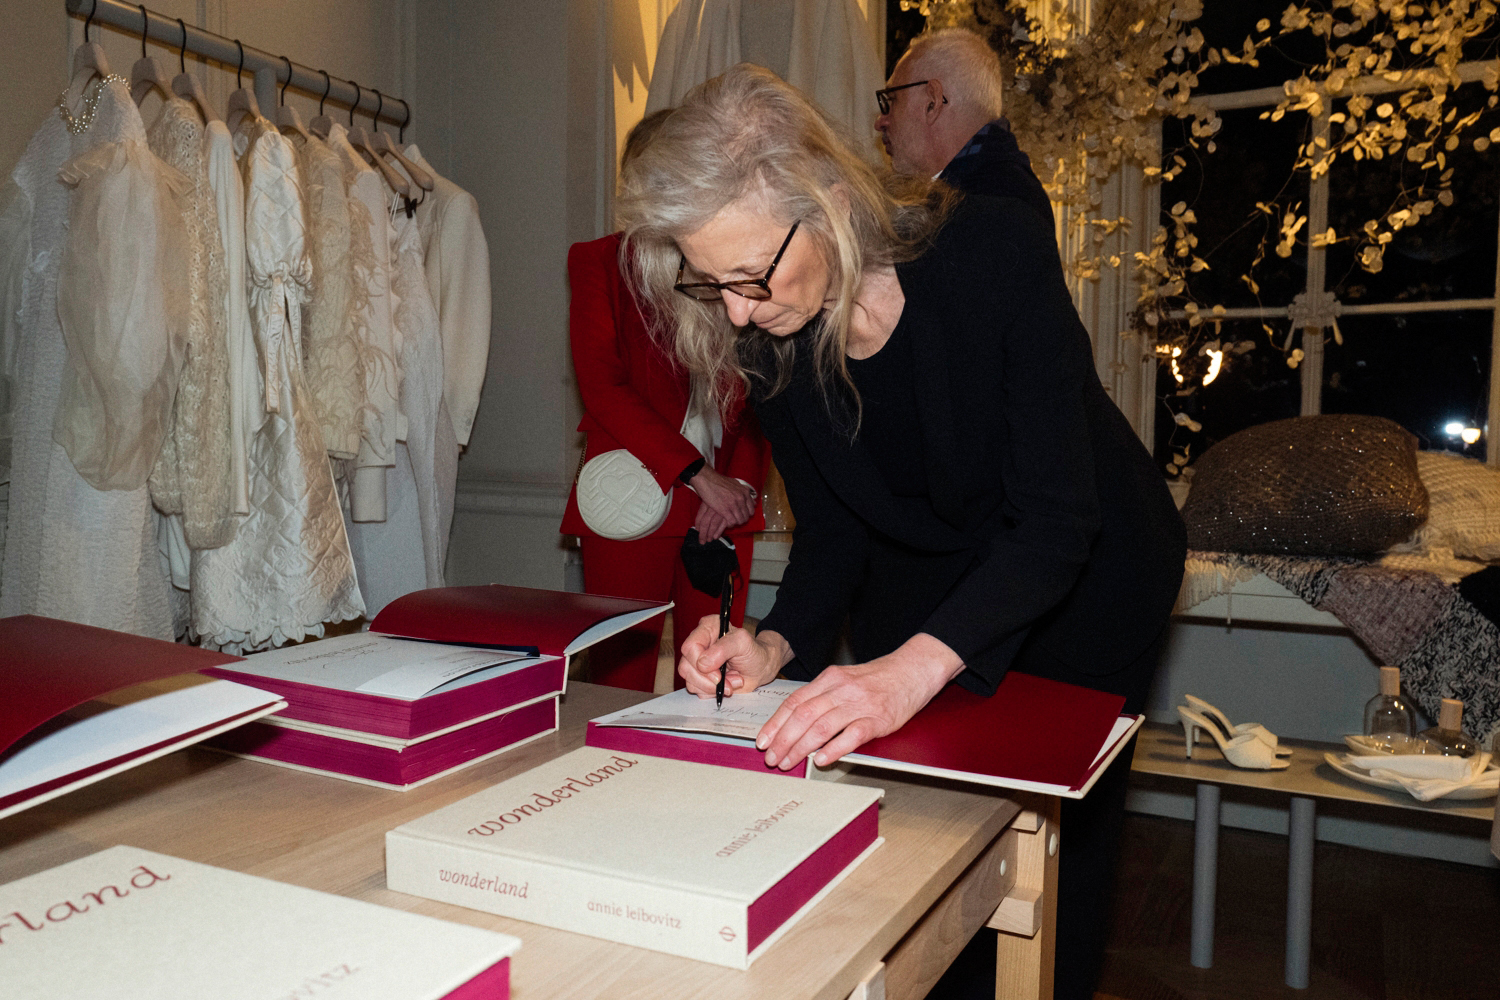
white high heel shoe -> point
(1230, 729)
(1245, 750)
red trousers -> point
(649, 569)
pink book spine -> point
(491, 984)
(656, 743)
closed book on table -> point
(1032, 734)
(129, 924)
(381, 760)
(398, 688)
(79, 703)
(683, 858)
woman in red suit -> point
(635, 396)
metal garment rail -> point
(270, 70)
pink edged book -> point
(79, 703)
(683, 858)
(130, 924)
(1032, 734)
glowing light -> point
(1471, 435)
(1176, 372)
(1214, 365)
(1453, 428)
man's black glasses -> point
(883, 97)
(751, 288)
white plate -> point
(1477, 791)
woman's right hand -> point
(726, 503)
(752, 660)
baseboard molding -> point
(512, 499)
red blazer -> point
(635, 395)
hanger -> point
(322, 124)
(382, 144)
(88, 60)
(147, 75)
(287, 118)
(360, 139)
(186, 84)
(242, 103)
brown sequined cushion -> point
(1326, 485)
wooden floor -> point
(1385, 927)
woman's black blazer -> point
(1047, 527)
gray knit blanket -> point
(1406, 618)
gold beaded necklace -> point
(80, 122)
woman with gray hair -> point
(966, 495)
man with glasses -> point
(941, 117)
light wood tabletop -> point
(1160, 750)
(912, 904)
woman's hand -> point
(726, 503)
(845, 707)
(753, 660)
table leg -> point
(1024, 964)
(1205, 873)
(1301, 834)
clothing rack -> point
(271, 71)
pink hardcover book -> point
(397, 688)
(683, 858)
(79, 703)
(1033, 734)
(390, 763)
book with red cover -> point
(79, 703)
(545, 622)
(389, 763)
(1033, 734)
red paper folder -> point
(1032, 734)
(48, 666)
(548, 622)
(79, 703)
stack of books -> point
(446, 678)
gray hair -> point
(748, 133)
(965, 63)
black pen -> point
(726, 598)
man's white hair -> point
(968, 68)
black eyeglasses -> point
(750, 288)
(883, 97)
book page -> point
(742, 715)
(376, 664)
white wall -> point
(520, 96)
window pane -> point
(1250, 388)
(1253, 163)
(1423, 370)
(1450, 254)
(1227, 23)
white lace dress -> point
(192, 479)
(333, 321)
(74, 551)
(382, 349)
(405, 552)
(288, 569)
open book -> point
(1033, 734)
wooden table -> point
(1159, 751)
(951, 856)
